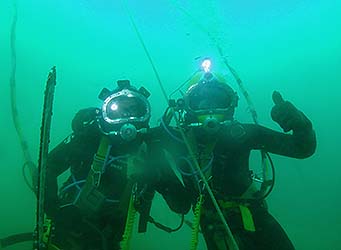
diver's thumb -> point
(277, 98)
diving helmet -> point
(210, 101)
(125, 111)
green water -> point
(290, 46)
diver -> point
(221, 146)
(109, 177)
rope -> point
(145, 49)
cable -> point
(15, 239)
(265, 195)
(30, 186)
(145, 49)
(165, 228)
(15, 117)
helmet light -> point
(114, 107)
(206, 65)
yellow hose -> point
(125, 243)
(196, 223)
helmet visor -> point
(208, 97)
(125, 106)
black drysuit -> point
(226, 167)
(102, 229)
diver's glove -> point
(287, 115)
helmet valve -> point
(211, 124)
(128, 132)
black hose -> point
(16, 238)
(166, 228)
(273, 178)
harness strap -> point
(90, 199)
(245, 212)
(98, 162)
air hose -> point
(165, 228)
(16, 238)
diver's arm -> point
(58, 161)
(300, 144)
(85, 136)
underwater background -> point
(292, 46)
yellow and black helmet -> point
(209, 96)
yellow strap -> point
(101, 152)
(94, 176)
(245, 212)
(247, 218)
(103, 146)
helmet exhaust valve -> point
(128, 132)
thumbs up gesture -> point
(286, 114)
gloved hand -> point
(287, 115)
(84, 120)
